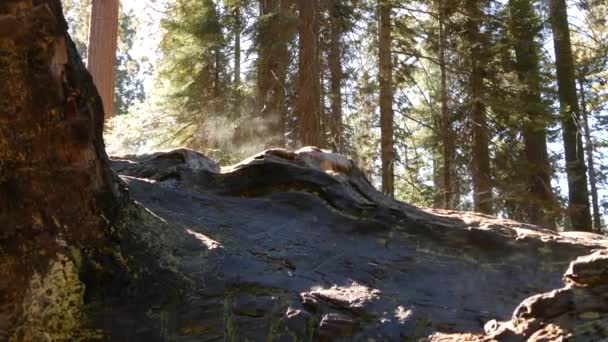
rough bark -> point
(541, 204)
(447, 137)
(336, 76)
(102, 50)
(385, 74)
(309, 78)
(272, 70)
(589, 148)
(578, 193)
(482, 178)
(57, 193)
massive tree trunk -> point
(57, 193)
(578, 193)
(386, 97)
(336, 23)
(309, 81)
(447, 137)
(589, 149)
(541, 205)
(273, 58)
(312, 253)
(102, 50)
(482, 178)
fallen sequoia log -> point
(285, 246)
(300, 246)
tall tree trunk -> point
(336, 75)
(482, 182)
(589, 147)
(238, 27)
(102, 50)
(541, 207)
(309, 82)
(386, 97)
(273, 58)
(447, 139)
(57, 193)
(578, 193)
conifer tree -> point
(309, 82)
(386, 97)
(482, 182)
(102, 50)
(274, 34)
(578, 193)
(524, 27)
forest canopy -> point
(494, 106)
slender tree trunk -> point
(57, 194)
(482, 182)
(386, 97)
(446, 122)
(237, 60)
(541, 206)
(578, 193)
(589, 147)
(273, 58)
(309, 82)
(102, 50)
(336, 75)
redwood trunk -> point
(578, 193)
(309, 82)
(57, 196)
(540, 202)
(273, 58)
(482, 182)
(102, 50)
(336, 76)
(446, 121)
(386, 98)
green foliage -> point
(129, 88)
(129, 77)
(202, 102)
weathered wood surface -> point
(299, 245)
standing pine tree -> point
(309, 82)
(482, 181)
(386, 97)
(524, 28)
(578, 194)
(275, 31)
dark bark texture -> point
(448, 147)
(272, 69)
(589, 149)
(578, 193)
(542, 207)
(57, 193)
(482, 178)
